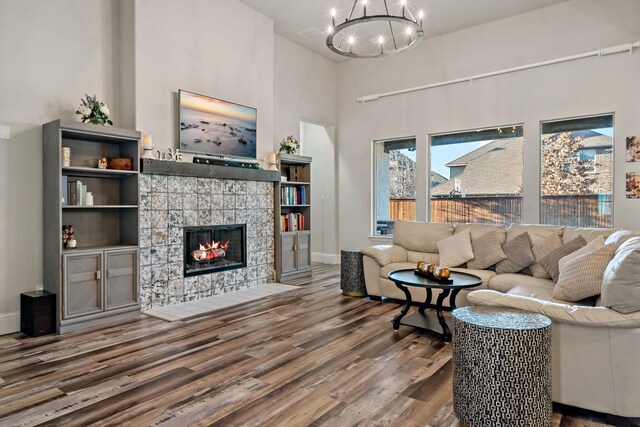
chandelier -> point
(373, 33)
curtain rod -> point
(611, 50)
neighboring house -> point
(437, 179)
(496, 169)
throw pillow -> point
(487, 251)
(581, 277)
(551, 260)
(519, 255)
(596, 243)
(539, 251)
(621, 282)
(455, 250)
(621, 236)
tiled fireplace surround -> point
(169, 203)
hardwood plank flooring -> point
(305, 357)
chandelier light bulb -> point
(330, 29)
(333, 12)
(409, 31)
(403, 2)
(351, 40)
(381, 40)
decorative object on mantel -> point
(68, 237)
(289, 145)
(273, 162)
(376, 32)
(102, 163)
(93, 111)
(148, 144)
(171, 155)
(65, 157)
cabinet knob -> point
(98, 275)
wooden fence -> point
(576, 211)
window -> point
(395, 183)
(476, 176)
(577, 172)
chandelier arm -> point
(413, 18)
(355, 2)
(393, 37)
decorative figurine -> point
(102, 163)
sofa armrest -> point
(597, 317)
(386, 254)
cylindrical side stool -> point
(501, 367)
(352, 273)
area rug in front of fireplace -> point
(204, 306)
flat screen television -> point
(212, 126)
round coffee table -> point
(404, 279)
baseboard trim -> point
(325, 258)
(9, 322)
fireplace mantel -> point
(162, 167)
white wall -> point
(590, 86)
(305, 89)
(51, 54)
(220, 48)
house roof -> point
(493, 169)
(437, 178)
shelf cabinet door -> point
(121, 279)
(303, 250)
(288, 253)
(82, 284)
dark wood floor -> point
(306, 357)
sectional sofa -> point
(594, 347)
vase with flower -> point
(68, 237)
(289, 145)
(93, 111)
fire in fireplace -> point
(214, 248)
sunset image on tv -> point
(213, 126)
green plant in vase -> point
(93, 111)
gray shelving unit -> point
(293, 248)
(98, 281)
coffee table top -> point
(409, 278)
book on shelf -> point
(65, 190)
(292, 222)
(293, 196)
(74, 192)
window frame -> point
(613, 160)
(374, 184)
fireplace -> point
(214, 248)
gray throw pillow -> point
(519, 255)
(551, 260)
(487, 251)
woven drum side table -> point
(352, 273)
(501, 367)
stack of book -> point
(292, 222)
(74, 193)
(293, 196)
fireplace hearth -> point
(214, 248)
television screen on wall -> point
(212, 126)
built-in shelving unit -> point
(97, 282)
(293, 217)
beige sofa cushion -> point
(581, 277)
(420, 236)
(414, 257)
(596, 317)
(551, 261)
(621, 236)
(385, 270)
(596, 243)
(588, 234)
(542, 249)
(506, 282)
(621, 282)
(455, 250)
(537, 233)
(479, 230)
(487, 251)
(385, 254)
(519, 255)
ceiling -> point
(305, 21)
